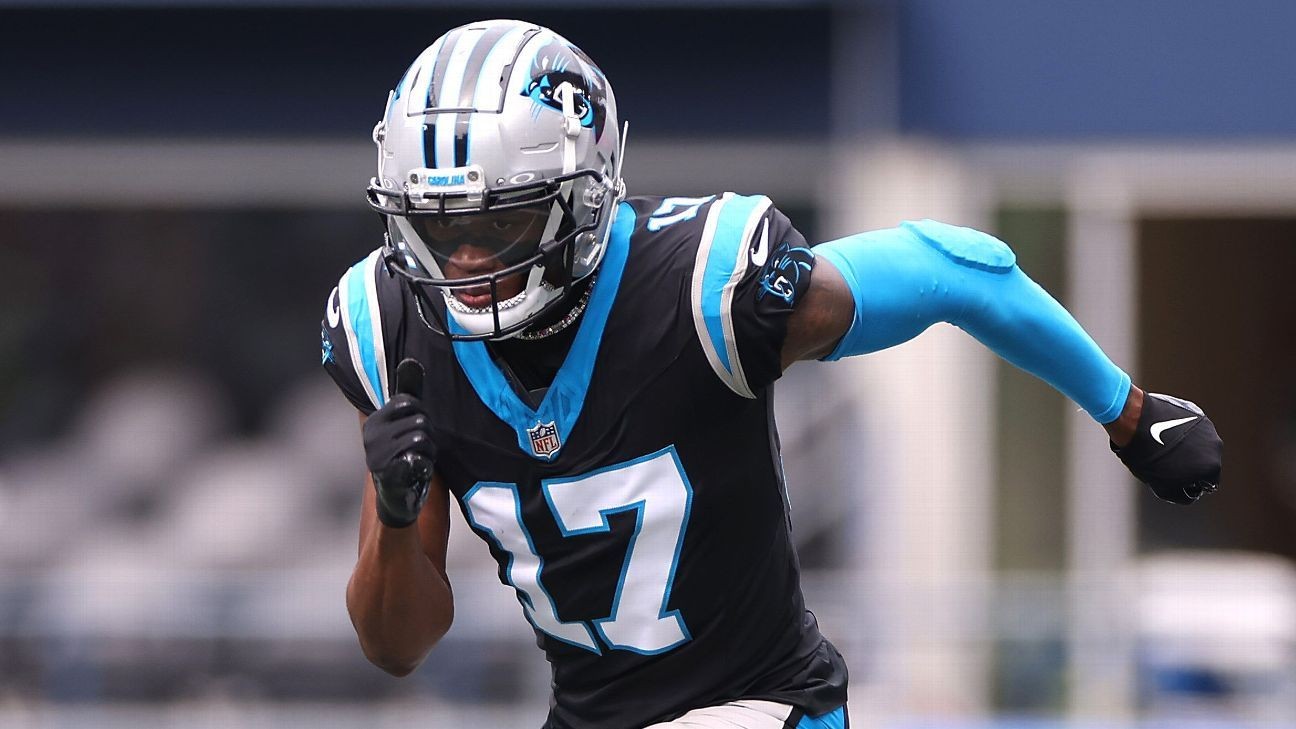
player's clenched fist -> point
(1175, 449)
(399, 450)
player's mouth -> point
(470, 261)
(479, 296)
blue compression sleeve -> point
(906, 279)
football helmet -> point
(499, 173)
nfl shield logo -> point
(544, 439)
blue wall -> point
(997, 69)
(1098, 68)
(326, 72)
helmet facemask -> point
(500, 258)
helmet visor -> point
(467, 245)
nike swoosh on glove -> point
(1175, 450)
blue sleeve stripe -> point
(722, 260)
(359, 296)
(711, 336)
(379, 361)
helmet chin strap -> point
(380, 140)
(615, 191)
(617, 185)
(571, 132)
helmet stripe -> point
(421, 73)
(476, 62)
(491, 83)
(440, 66)
(448, 92)
(461, 140)
(468, 89)
(421, 91)
(429, 141)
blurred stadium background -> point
(180, 187)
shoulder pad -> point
(964, 246)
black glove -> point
(399, 450)
(1175, 449)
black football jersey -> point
(639, 508)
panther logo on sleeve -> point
(786, 269)
(326, 347)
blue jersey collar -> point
(542, 432)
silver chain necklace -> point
(566, 321)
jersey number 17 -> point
(656, 489)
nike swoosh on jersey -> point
(1161, 427)
(759, 255)
(334, 313)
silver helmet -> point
(498, 175)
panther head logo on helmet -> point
(557, 64)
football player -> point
(587, 377)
